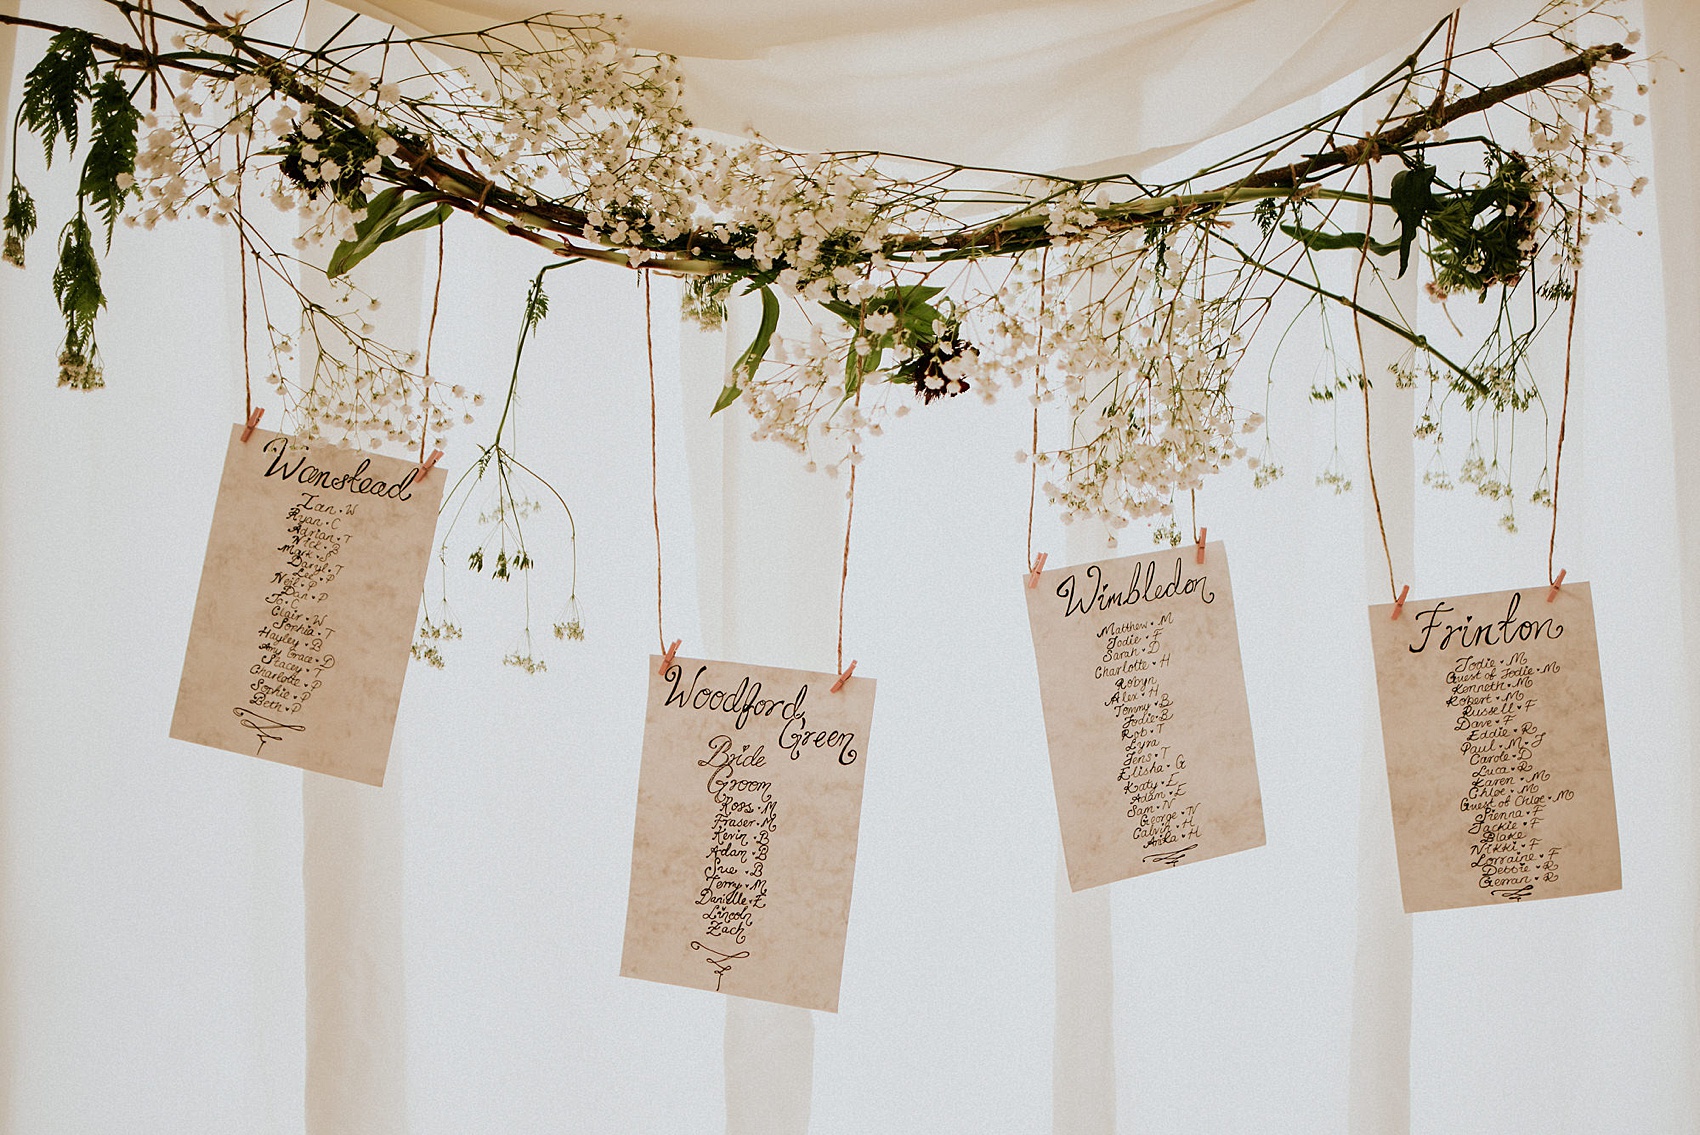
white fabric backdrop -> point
(158, 901)
(1023, 84)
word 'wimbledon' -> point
(1497, 632)
(1142, 587)
(745, 701)
(355, 482)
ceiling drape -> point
(1109, 85)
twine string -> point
(1363, 380)
(844, 567)
(430, 338)
(1038, 369)
(1569, 347)
(654, 463)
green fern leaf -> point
(109, 172)
(76, 285)
(56, 87)
(19, 224)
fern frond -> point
(109, 172)
(76, 285)
(56, 87)
(19, 223)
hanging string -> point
(844, 568)
(1363, 380)
(654, 465)
(1193, 494)
(1563, 412)
(430, 338)
(242, 257)
(1038, 369)
(1569, 345)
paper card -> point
(304, 618)
(1497, 766)
(1145, 713)
(749, 800)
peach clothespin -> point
(1399, 603)
(253, 420)
(1556, 584)
(1202, 533)
(1038, 566)
(667, 659)
(844, 677)
(436, 455)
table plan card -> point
(304, 617)
(1145, 713)
(749, 801)
(1497, 765)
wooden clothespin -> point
(1399, 603)
(253, 420)
(1556, 584)
(1202, 533)
(1038, 566)
(667, 659)
(844, 677)
(436, 455)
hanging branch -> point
(916, 286)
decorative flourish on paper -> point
(263, 726)
(1170, 858)
(719, 962)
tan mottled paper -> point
(749, 800)
(1145, 713)
(304, 617)
(1497, 764)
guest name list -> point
(1497, 762)
(301, 630)
(744, 848)
(1145, 714)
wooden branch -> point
(1404, 134)
(1017, 233)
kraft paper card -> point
(1494, 724)
(304, 618)
(1145, 713)
(749, 800)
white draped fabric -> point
(193, 941)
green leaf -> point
(728, 395)
(853, 370)
(20, 222)
(751, 359)
(1412, 198)
(848, 312)
(916, 293)
(383, 223)
(76, 285)
(112, 151)
(56, 86)
(1318, 241)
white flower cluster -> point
(194, 160)
(819, 223)
(359, 391)
(591, 123)
(1138, 351)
